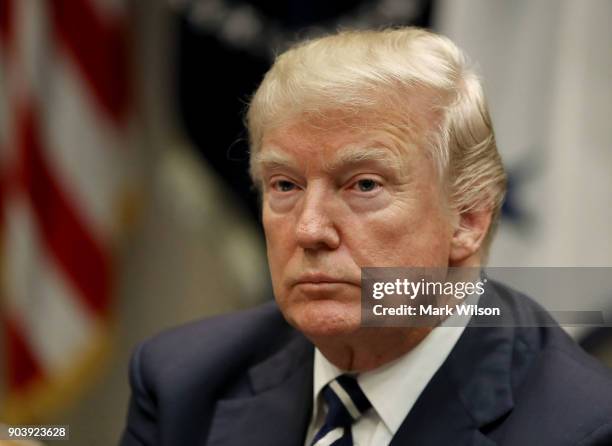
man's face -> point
(336, 200)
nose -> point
(315, 227)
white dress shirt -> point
(392, 389)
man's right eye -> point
(283, 186)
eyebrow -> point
(354, 156)
(272, 159)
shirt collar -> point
(394, 388)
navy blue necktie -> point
(345, 404)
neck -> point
(370, 348)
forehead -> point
(337, 139)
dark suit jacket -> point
(246, 379)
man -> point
(370, 148)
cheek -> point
(403, 235)
(279, 242)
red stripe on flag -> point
(83, 261)
(99, 49)
(6, 22)
(24, 368)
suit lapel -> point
(469, 394)
(462, 405)
(279, 410)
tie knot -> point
(345, 401)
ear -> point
(469, 235)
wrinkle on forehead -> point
(361, 154)
(371, 137)
(347, 156)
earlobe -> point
(468, 236)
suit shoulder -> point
(573, 376)
(564, 386)
(537, 335)
(220, 328)
(555, 382)
(230, 340)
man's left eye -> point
(367, 185)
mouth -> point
(322, 280)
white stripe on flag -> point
(84, 149)
(56, 324)
(32, 44)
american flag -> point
(64, 115)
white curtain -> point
(547, 66)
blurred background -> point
(125, 206)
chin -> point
(322, 318)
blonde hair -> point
(419, 79)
